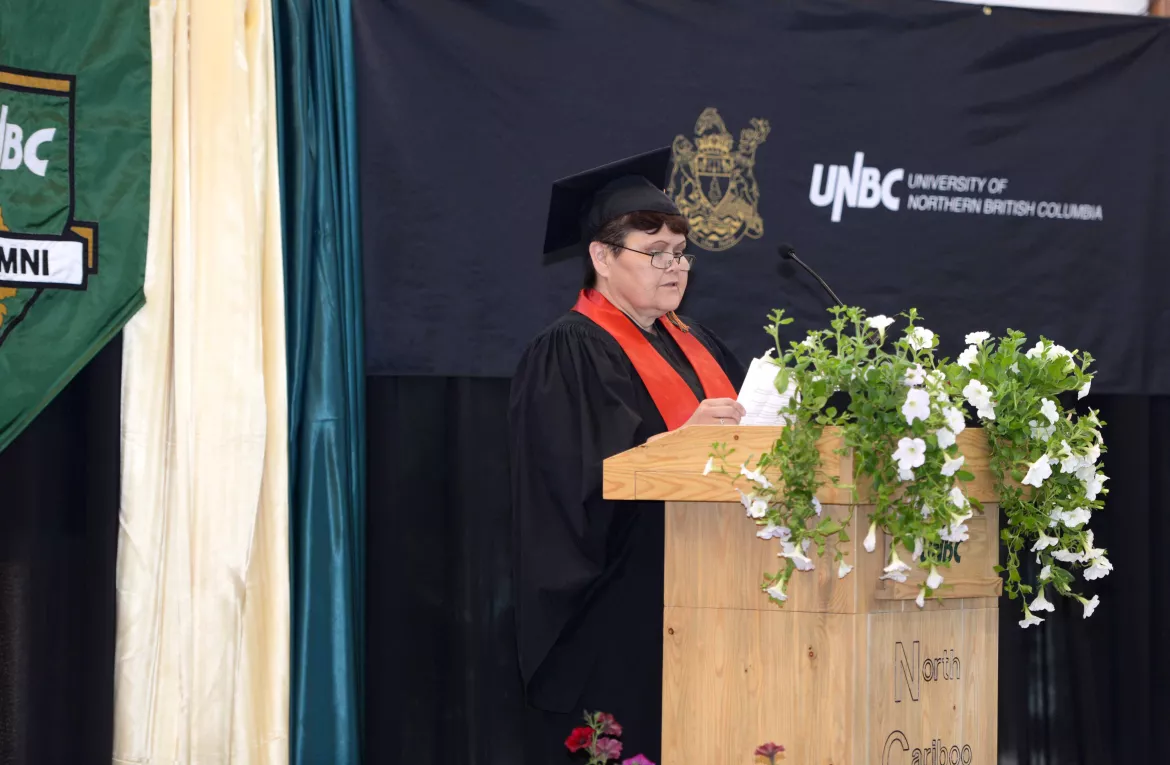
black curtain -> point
(442, 680)
(442, 683)
(59, 489)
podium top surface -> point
(671, 467)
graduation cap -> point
(582, 204)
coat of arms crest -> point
(713, 182)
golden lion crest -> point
(713, 184)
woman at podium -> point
(616, 370)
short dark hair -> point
(614, 233)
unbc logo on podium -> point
(42, 246)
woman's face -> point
(630, 275)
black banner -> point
(992, 168)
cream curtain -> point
(202, 660)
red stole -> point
(672, 396)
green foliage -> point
(905, 409)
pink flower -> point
(607, 749)
(638, 759)
(608, 726)
(770, 751)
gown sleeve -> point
(572, 405)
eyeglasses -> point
(664, 260)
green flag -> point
(74, 191)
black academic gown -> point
(588, 572)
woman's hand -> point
(717, 411)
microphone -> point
(788, 252)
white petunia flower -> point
(1074, 518)
(896, 576)
(753, 504)
(920, 338)
(1043, 433)
(905, 474)
(919, 546)
(777, 591)
(979, 396)
(957, 530)
(879, 323)
(709, 466)
(975, 338)
(1048, 409)
(917, 405)
(1085, 472)
(1067, 556)
(1041, 603)
(921, 599)
(967, 357)
(958, 499)
(915, 375)
(935, 580)
(1015, 367)
(1044, 542)
(843, 569)
(1045, 573)
(797, 556)
(1091, 456)
(1084, 391)
(1054, 351)
(871, 538)
(1090, 605)
(976, 393)
(755, 475)
(927, 511)
(772, 531)
(1069, 462)
(816, 503)
(955, 420)
(946, 439)
(1029, 619)
(809, 342)
(1090, 551)
(1099, 567)
(1093, 487)
(952, 465)
(1038, 471)
(911, 452)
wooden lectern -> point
(850, 671)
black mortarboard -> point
(581, 204)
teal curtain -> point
(326, 380)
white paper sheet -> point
(758, 394)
